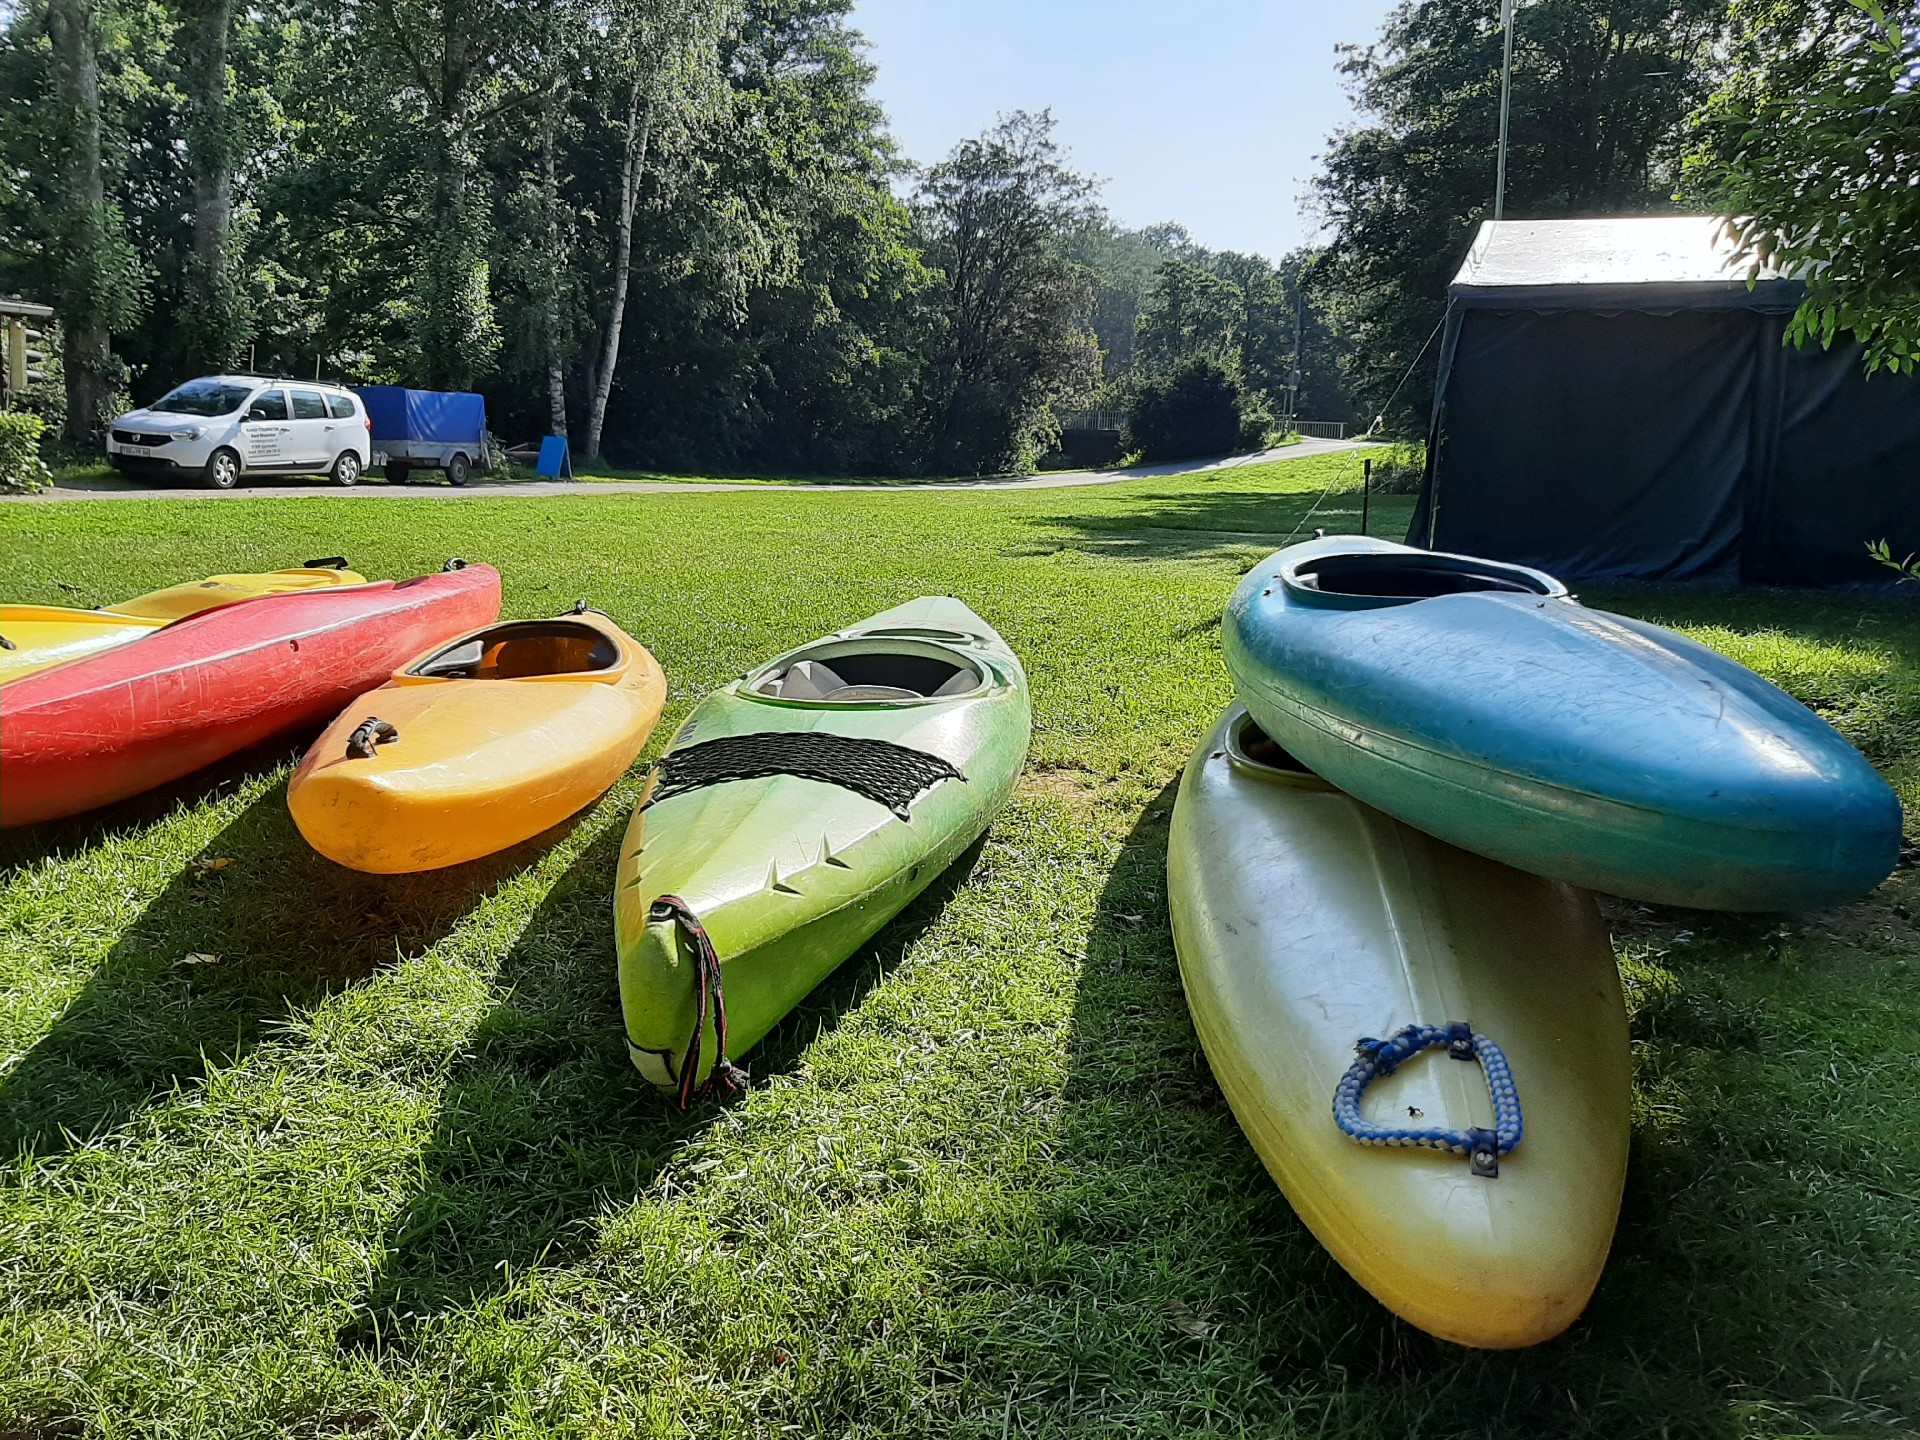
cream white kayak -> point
(1306, 922)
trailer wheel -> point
(397, 474)
(458, 470)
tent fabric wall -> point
(1846, 473)
(1595, 445)
(1603, 431)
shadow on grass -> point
(214, 961)
(1215, 524)
(1167, 1277)
(33, 843)
(545, 1124)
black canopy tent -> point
(1615, 402)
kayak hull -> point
(479, 763)
(41, 636)
(1580, 745)
(790, 875)
(1305, 921)
(113, 725)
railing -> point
(1092, 420)
(1321, 429)
(1097, 421)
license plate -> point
(145, 450)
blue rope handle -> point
(1382, 1057)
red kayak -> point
(100, 729)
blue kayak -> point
(1483, 704)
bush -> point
(22, 471)
(1258, 428)
(1193, 411)
(1399, 469)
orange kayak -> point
(479, 744)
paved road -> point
(118, 489)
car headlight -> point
(192, 432)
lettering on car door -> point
(268, 431)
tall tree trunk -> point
(72, 28)
(218, 322)
(550, 197)
(632, 172)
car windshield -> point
(201, 397)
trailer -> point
(427, 430)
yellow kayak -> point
(1306, 923)
(478, 745)
(37, 637)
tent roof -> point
(1651, 262)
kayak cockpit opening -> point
(1416, 575)
(1255, 747)
(521, 650)
(1250, 751)
(854, 672)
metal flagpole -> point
(1506, 98)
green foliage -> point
(1601, 89)
(1813, 144)
(1907, 569)
(1194, 410)
(1015, 339)
(1161, 299)
(1399, 469)
(1190, 314)
(22, 470)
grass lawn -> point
(289, 1151)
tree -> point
(216, 319)
(1195, 409)
(1813, 145)
(1190, 314)
(667, 50)
(98, 283)
(995, 218)
(1123, 264)
(1601, 91)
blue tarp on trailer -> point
(431, 416)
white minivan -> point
(221, 427)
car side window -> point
(268, 405)
(309, 405)
(341, 406)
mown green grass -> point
(379, 1166)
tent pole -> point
(1506, 99)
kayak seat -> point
(1412, 576)
(872, 675)
(521, 650)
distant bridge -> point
(1111, 422)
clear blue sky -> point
(1206, 112)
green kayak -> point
(796, 812)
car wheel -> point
(346, 468)
(397, 474)
(222, 470)
(458, 471)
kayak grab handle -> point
(371, 732)
(1376, 1058)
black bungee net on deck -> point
(725, 1075)
(891, 775)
